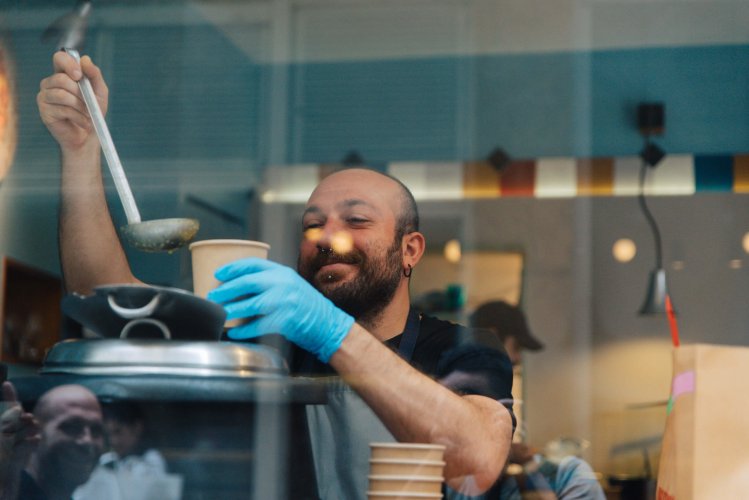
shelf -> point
(30, 317)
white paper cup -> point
(209, 255)
(419, 451)
(395, 495)
(405, 484)
(407, 467)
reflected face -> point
(72, 442)
(351, 251)
(123, 437)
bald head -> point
(405, 209)
(72, 439)
(63, 398)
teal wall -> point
(182, 92)
(187, 92)
(175, 92)
(532, 105)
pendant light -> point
(650, 118)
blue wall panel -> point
(188, 92)
(713, 173)
(556, 104)
(33, 61)
(184, 92)
(705, 89)
(529, 104)
(400, 109)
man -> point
(71, 441)
(131, 470)
(508, 323)
(361, 245)
(530, 475)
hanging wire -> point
(649, 216)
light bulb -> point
(452, 251)
(624, 250)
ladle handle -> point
(107, 146)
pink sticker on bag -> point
(682, 384)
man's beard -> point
(68, 466)
(366, 295)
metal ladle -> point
(152, 235)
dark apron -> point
(341, 430)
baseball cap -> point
(507, 321)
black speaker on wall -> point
(651, 118)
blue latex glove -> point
(285, 304)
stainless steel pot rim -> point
(136, 370)
(146, 356)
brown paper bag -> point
(705, 451)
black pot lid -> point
(137, 311)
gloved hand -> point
(285, 304)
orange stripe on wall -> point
(741, 174)
(595, 176)
(480, 180)
(518, 178)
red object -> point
(672, 321)
(518, 179)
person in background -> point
(347, 310)
(130, 470)
(509, 324)
(72, 439)
(529, 474)
(125, 427)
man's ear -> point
(414, 245)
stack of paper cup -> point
(406, 471)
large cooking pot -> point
(170, 370)
(226, 415)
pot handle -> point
(140, 312)
(149, 321)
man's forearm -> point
(476, 430)
(90, 251)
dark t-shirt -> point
(28, 489)
(468, 361)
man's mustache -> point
(324, 258)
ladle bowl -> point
(160, 234)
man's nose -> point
(340, 242)
(332, 236)
(325, 237)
